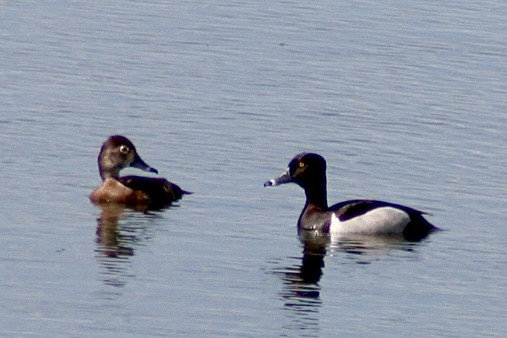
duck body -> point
(366, 217)
(117, 153)
(137, 190)
(360, 217)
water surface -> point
(406, 102)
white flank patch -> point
(384, 220)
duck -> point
(352, 217)
(117, 153)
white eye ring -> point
(124, 149)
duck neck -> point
(105, 174)
(316, 194)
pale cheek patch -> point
(386, 220)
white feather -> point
(384, 220)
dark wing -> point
(159, 190)
(353, 208)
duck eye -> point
(124, 149)
(301, 164)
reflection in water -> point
(367, 249)
(119, 231)
(110, 242)
(301, 289)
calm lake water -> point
(407, 101)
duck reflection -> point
(119, 231)
(301, 289)
(301, 281)
(314, 250)
(367, 249)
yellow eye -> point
(124, 149)
(301, 164)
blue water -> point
(406, 101)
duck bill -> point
(282, 179)
(140, 164)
